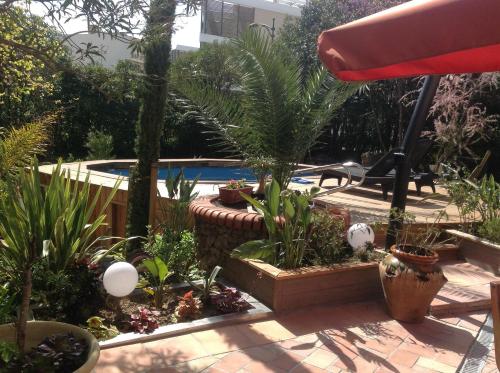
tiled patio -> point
(350, 338)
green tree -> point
(376, 113)
(273, 113)
(155, 46)
(26, 83)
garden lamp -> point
(120, 279)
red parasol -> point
(421, 37)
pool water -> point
(212, 173)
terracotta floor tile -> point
(430, 364)
(321, 358)
(303, 348)
(306, 368)
(341, 347)
(264, 353)
(265, 332)
(405, 358)
(449, 357)
(286, 361)
(222, 340)
(233, 362)
(260, 367)
(198, 365)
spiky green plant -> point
(54, 222)
(274, 113)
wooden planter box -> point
(284, 290)
(478, 251)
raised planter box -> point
(284, 290)
(257, 312)
(478, 251)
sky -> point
(187, 28)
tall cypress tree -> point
(156, 46)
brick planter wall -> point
(221, 229)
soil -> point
(415, 250)
(118, 312)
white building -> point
(111, 49)
(228, 18)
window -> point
(225, 19)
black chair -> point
(383, 173)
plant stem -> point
(23, 313)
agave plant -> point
(59, 222)
(274, 113)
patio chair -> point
(383, 173)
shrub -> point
(178, 251)
(59, 295)
(96, 326)
(99, 145)
(327, 239)
(490, 230)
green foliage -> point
(177, 250)
(327, 238)
(490, 229)
(274, 112)
(57, 295)
(158, 275)
(100, 145)
(287, 216)
(208, 284)
(97, 99)
(175, 211)
(8, 352)
(102, 332)
(7, 303)
(375, 114)
(26, 82)
(236, 184)
(54, 222)
(19, 145)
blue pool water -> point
(212, 173)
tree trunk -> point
(157, 45)
(24, 311)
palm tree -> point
(273, 114)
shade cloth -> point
(421, 37)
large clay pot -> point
(36, 331)
(410, 283)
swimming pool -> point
(206, 173)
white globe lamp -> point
(359, 235)
(120, 279)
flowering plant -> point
(145, 321)
(235, 184)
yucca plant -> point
(273, 113)
(54, 223)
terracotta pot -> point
(36, 331)
(232, 196)
(425, 263)
(410, 283)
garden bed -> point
(169, 327)
(478, 251)
(284, 290)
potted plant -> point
(51, 224)
(411, 268)
(230, 193)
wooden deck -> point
(365, 204)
